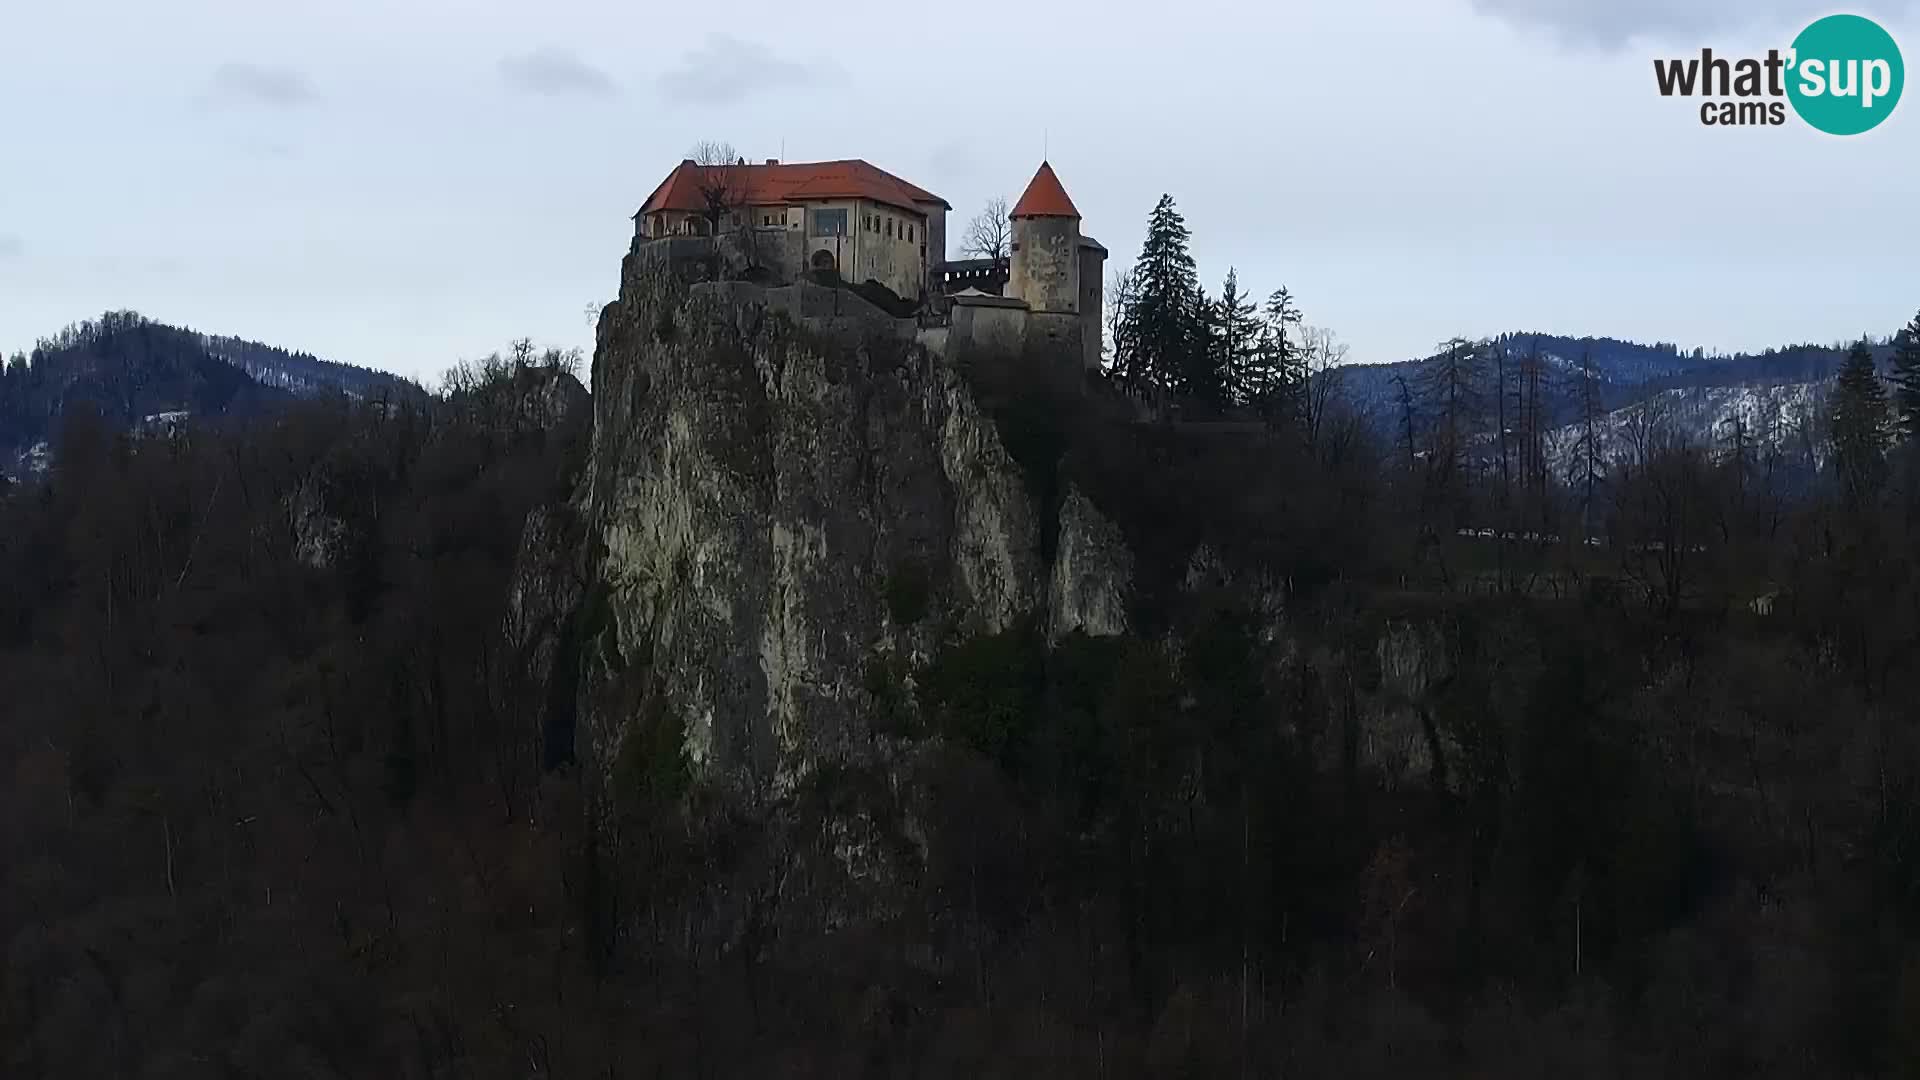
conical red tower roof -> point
(1044, 197)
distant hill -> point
(1700, 392)
(132, 369)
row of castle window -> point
(874, 222)
(871, 222)
(825, 223)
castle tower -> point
(1045, 268)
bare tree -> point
(1325, 356)
(1498, 350)
(1647, 429)
(1121, 287)
(1664, 510)
(1452, 397)
(990, 234)
(721, 177)
(1536, 422)
(1589, 458)
(724, 181)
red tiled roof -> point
(772, 185)
(1044, 197)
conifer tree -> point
(1535, 419)
(1906, 381)
(1203, 377)
(1281, 365)
(1858, 426)
(1237, 341)
(1162, 324)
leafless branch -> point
(721, 180)
(990, 234)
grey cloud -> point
(255, 84)
(726, 69)
(556, 73)
(951, 158)
(11, 246)
(1610, 24)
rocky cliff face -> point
(788, 492)
(787, 486)
(1396, 731)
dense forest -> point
(125, 367)
(226, 736)
(282, 798)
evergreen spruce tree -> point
(1906, 381)
(1280, 366)
(1237, 340)
(1163, 324)
(1858, 426)
(1203, 376)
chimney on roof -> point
(773, 161)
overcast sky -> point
(402, 183)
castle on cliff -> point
(852, 221)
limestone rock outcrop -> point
(786, 484)
(788, 491)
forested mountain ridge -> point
(304, 375)
(1624, 363)
(129, 368)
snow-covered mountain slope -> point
(1781, 420)
(1771, 401)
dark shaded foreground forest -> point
(281, 801)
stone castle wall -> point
(1046, 263)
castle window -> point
(889, 227)
(830, 222)
(909, 234)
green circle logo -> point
(1846, 74)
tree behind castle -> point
(1163, 321)
(1236, 341)
(1280, 376)
(1906, 381)
(1857, 425)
